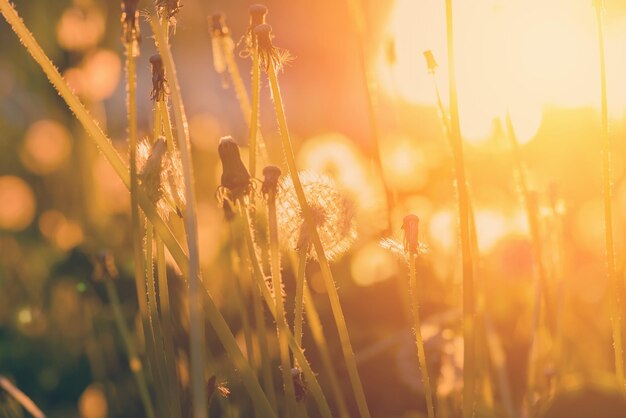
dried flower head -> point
(159, 173)
(130, 24)
(235, 181)
(160, 89)
(332, 210)
(299, 384)
(431, 64)
(271, 175)
(168, 9)
(268, 53)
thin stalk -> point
(296, 349)
(21, 398)
(421, 353)
(136, 229)
(264, 352)
(285, 361)
(133, 358)
(469, 311)
(196, 325)
(342, 328)
(238, 299)
(104, 144)
(317, 331)
(254, 115)
(300, 279)
(168, 331)
(358, 17)
(159, 366)
(532, 215)
(614, 281)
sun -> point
(516, 56)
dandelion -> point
(257, 17)
(431, 63)
(333, 215)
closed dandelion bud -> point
(235, 177)
(130, 24)
(333, 214)
(221, 42)
(431, 64)
(271, 174)
(257, 15)
(410, 226)
(159, 84)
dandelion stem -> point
(300, 283)
(280, 307)
(168, 332)
(21, 397)
(296, 350)
(532, 214)
(469, 311)
(137, 234)
(421, 354)
(197, 343)
(254, 115)
(133, 358)
(614, 282)
(342, 328)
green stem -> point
(421, 353)
(469, 311)
(254, 116)
(342, 328)
(285, 361)
(532, 215)
(196, 325)
(298, 318)
(614, 281)
(317, 331)
(296, 349)
(168, 331)
(133, 358)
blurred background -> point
(60, 202)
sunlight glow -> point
(518, 55)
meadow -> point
(388, 209)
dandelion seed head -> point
(268, 53)
(235, 177)
(168, 9)
(332, 210)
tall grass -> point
(469, 310)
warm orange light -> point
(17, 203)
(516, 56)
(46, 147)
